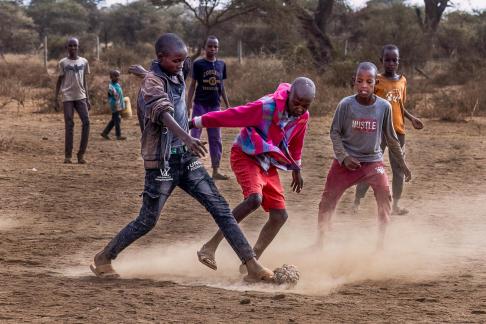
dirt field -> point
(54, 217)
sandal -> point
(207, 259)
(104, 271)
(264, 276)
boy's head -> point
(114, 75)
(302, 93)
(390, 58)
(365, 79)
(72, 46)
(211, 47)
(171, 52)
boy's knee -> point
(279, 216)
(254, 201)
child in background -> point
(72, 83)
(393, 87)
(359, 124)
(116, 103)
(208, 75)
(272, 137)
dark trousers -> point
(398, 176)
(82, 109)
(115, 121)
(188, 173)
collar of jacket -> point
(157, 70)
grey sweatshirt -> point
(358, 130)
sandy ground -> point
(54, 217)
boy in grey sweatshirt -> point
(359, 123)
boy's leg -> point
(197, 110)
(338, 180)
(274, 203)
(68, 107)
(156, 191)
(108, 127)
(197, 182)
(378, 180)
(82, 109)
(362, 187)
(245, 208)
(247, 174)
(215, 148)
(398, 179)
(117, 121)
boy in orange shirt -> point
(393, 87)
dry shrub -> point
(258, 76)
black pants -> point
(188, 173)
(82, 109)
(115, 121)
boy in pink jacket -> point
(272, 137)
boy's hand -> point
(56, 104)
(88, 104)
(196, 146)
(417, 123)
(351, 163)
(297, 182)
(407, 173)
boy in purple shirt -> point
(208, 75)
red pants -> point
(340, 178)
(253, 179)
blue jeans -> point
(187, 172)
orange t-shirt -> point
(395, 92)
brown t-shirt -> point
(72, 87)
(395, 92)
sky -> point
(466, 5)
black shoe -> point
(105, 136)
(121, 138)
(81, 159)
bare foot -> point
(219, 176)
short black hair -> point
(169, 43)
(367, 66)
(389, 47)
(211, 37)
(114, 72)
(72, 38)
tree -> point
(212, 13)
(59, 17)
(433, 13)
(17, 31)
(314, 26)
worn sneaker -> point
(105, 136)
(68, 160)
(399, 211)
(121, 138)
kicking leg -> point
(207, 253)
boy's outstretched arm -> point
(247, 115)
(193, 144)
(394, 145)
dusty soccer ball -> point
(286, 275)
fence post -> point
(45, 52)
(97, 48)
(240, 51)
